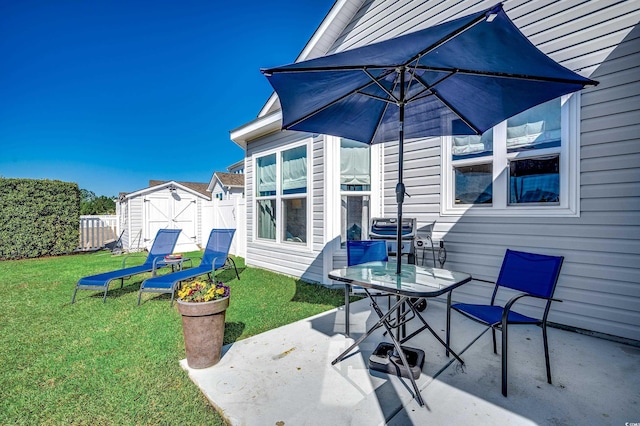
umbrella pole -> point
(400, 186)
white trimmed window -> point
(526, 165)
(355, 190)
(282, 196)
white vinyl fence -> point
(230, 213)
(97, 231)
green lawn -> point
(117, 363)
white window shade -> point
(535, 127)
(294, 169)
(355, 163)
(266, 174)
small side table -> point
(177, 264)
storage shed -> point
(164, 204)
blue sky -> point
(110, 94)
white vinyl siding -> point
(288, 258)
(599, 281)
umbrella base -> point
(383, 359)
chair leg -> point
(139, 296)
(546, 351)
(447, 337)
(234, 266)
(73, 299)
(104, 298)
(493, 331)
(504, 358)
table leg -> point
(428, 327)
(347, 290)
(383, 321)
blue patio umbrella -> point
(461, 77)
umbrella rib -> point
(428, 87)
(448, 37)
(447, 104)
(506, 75)
(457, 113)
(330, 104)
(376, 81)
(270, 72)
(381, 117)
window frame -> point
(333, 192)
(279, 196)
(569, 205)
(356, 192)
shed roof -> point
(196, 186)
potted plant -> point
(202, 304)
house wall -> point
(227, 194)
(599, 282)
(290, 259)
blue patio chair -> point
(163, 245)
(363, 251)
(216, 256)
(532, 276)
(366, 251)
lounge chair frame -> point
(163, 244)
(215, 257)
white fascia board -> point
(259, 127)
(236, 165)
(212, 183)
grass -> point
(117, 363)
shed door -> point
(185, 217)
(157, 216)
(171, 211)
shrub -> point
(39, 218)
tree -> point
(91, 204)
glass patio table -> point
(414, 282)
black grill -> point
(387, 229)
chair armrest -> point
(124, 260)
(514, 299)
(213, 263)
(156, 260)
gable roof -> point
(196, 186)
(228, 180)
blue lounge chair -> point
(216, 256)
(163, 245)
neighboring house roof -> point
(228, 180)
(235, 166)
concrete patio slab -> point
(285, 377)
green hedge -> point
(38, 218)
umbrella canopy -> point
(461, 77)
